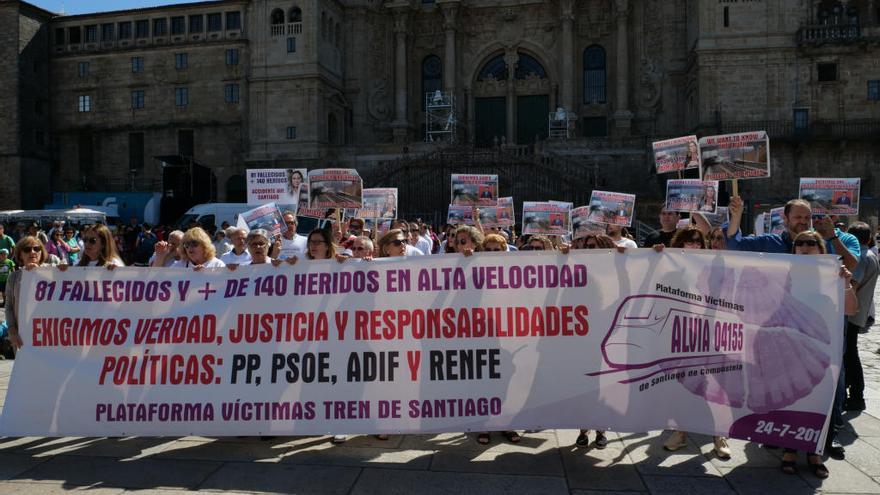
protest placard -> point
(721, 215)
(506, 213)
(335, 188)
(484, 343)
(683, 223)
(266, 217)
(286, 187)
(691, 195)
(474, 190)
(378, 225)
(773, 221)
(379, 203)
(460, 215)
(744, 155)
(676, 154)
(760, 223)
(831, 196)
(582, 226)
(612, 207)
(547, 218)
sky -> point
(87, 6)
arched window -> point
(594, 75)
(432, 76)
(277, 16)
(494, 69)
(528, 66)
(295, 15)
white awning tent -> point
(77, 215)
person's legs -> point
(855, 378)
(832, 447)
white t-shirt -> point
(231, 258)
(212, 263)
(413, 251)
(425, 245)
(114, 261)
(627, 243)
(292, 247)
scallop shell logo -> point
(784, 353)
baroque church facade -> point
(108, 101)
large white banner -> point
(729, 344)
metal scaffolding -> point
(440, 117)
(561, 124)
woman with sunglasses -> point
(538, 243)
(392, 244)
(197, 251)
(716, 239)
(593, 241)
(29, 253)
(468, 240)
(100, 248)
(258, 246)
(810, 242)
(692, 237)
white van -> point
(209, 215)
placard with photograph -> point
(474, 190)
(612, 207)
(335, 188)
(677, 154)
(688, 195)
(745, 155)
(831, 196)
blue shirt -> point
(782, 243)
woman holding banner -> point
(319, 245)
(258, 244)
(198, 251)
(392, 244)
(812, 243)
(100, 248)
(468, 240)
(29, 253)
(692, 238)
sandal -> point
(818, 468)
(483, 439)
(512, 436)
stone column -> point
(622, 115)
(511, 57)
(400, 125)
(567, 19)
(450, 9)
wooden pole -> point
(735, 187)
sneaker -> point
(835, 450)
(583, 439)
(677, 440)
(339, 439)
(601, 440)
(722, 450)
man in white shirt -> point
(615, 232)
(420, 242)
(404, 227)
(239, 254)
(291, 244)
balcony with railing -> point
(828, 34)
(815, 129)
(288, 29)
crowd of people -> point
(805, 234)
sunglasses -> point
(808, 243)
(398, 242)
(190, 244)
(31, 249)
(91, 240)
(258, 244)
(358, 248)
(717, 238)
(536, 248)
(494, 249)
(693, 241)
(290, 223)
(463, 241)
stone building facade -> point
(271, 83)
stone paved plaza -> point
(542, 463)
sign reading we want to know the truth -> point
(725, 344)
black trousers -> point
(852, 365)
